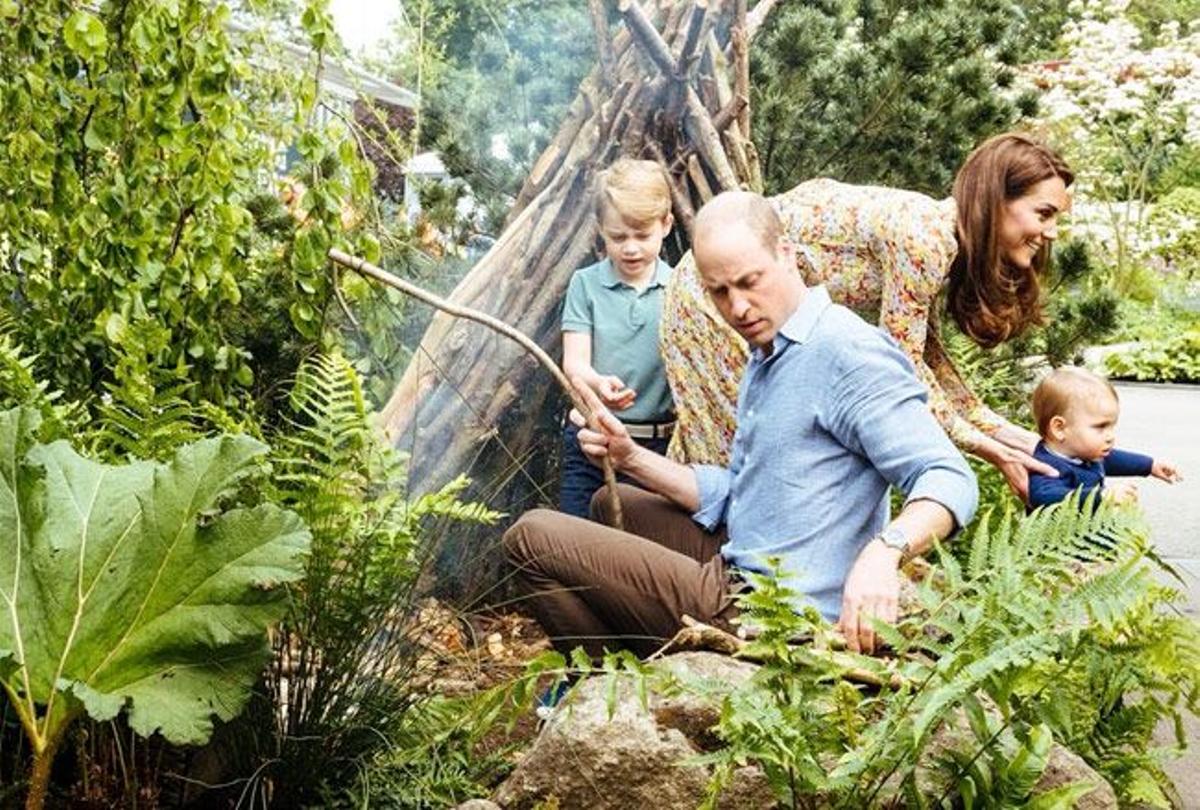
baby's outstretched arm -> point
(1165, 471)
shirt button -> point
(750, 413)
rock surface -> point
(638, 758)
(635, 759)
(1065, 767)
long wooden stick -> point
(363, 267)
(697, 635)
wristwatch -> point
(893, 537)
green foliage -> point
(1175, 220)
(1169, 359)
(19, 385)
(134, 587)
(506, 70)
(128, 237)
(891, 93)
(1051, 629)
(347, 666)
(1117, 104)
(1152, 15)
(784, 717)
(435, 757)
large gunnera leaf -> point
(122, 586)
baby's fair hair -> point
(1062, 388)
(637, 190)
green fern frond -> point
(136, 422)
(981, 545)
(19, 385)
(352, 615)
(973, 675)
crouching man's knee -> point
(600, 509)
(527, 539)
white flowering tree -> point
(1121, 108)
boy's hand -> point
(1166, 471)
(613, 441)
(614, 394)
(1121, 492)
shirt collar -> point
(798, 328)
(611, 279)
(1063, 456)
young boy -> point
(611, 316)
(1076, 413)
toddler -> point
(1076, 413)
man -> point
(829, 414)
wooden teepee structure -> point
(672, 84)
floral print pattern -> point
(884, 253)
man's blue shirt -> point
(1074, 474)
(827, 418)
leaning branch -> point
(363, 267)
(697, 635)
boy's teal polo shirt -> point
(623, 324)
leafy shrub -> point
(347, 670)
(1176, 218)
(1053, 630)
(1169, 359)
(132, 236)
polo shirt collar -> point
(799, 327)
(611, 279)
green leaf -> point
(114, 327)
(1061, 798)
(92, 138)
(85, 35)
(127, 585)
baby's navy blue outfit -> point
(1074, 475)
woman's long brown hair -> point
(989, 299)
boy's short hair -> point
(638, 190)
(1062, 387)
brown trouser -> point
(594, 586)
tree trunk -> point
(469, 402)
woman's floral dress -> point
(882, 252)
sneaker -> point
(549, 700)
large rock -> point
(1066, 767)
(584, 758)
(637, 758)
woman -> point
(891, 254)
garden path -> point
(1164, 421)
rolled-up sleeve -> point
(954, 488)
(878, 409)
(713, 485)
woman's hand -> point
(1018, 438)
(1015, 465)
